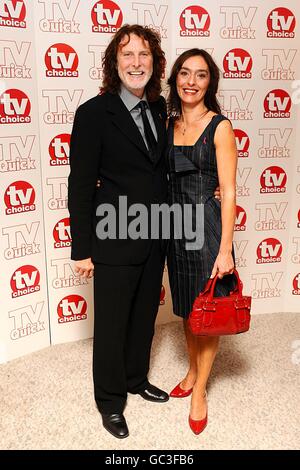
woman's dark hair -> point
(210, 99)
(111, 79)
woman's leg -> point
(207, 347)
(192, 347)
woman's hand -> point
(224, 264)
(84, 268)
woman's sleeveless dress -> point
(193, 178)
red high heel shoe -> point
(198, 425)
(178, 392)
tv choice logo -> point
(194, 21)
(269, 251)
(242, 143)
(277, 104)
(25, 280)
(273, 180)
(279, 64)
(237, 63)
(61, 61)
(281, 23)
(296, 285)
(62, 233)
(107, 17)
(59, 150)
(240, 220)
(162, 299)
(13, 13)
(19, 197)
(14, 107)
(72, 308)
(238, 21)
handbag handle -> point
(210, 286)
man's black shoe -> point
(115, 423)
(152, 393)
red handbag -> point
(217, 316)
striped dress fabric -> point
(193, 178)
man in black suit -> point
(119, 138)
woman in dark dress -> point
(202, 154)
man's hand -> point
(217, 193)
(84, 267)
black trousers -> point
(126, 304)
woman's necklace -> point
(184, 127)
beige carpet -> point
(47, 397)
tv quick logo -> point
(72, 308)
(59, 150)
(194, 21)
(59, 193)
(25, 280)
(27, 321)
(239, 250)
(13, 13)
(273, 180)
(19, 197)
(16, 153)
(242, 143)
(14, 107)
(266, 285)
(162, 299)
(107, 17)
(296, 285)
(21, 240)
(62, 233)
(277, 104)
(279, 64)
(61, 106)
(270, 216)
(241, 182)
(65, 276)
(61, 61)
(240, 220)
(236, 104)
(13, 60)
(281, 23)
(237, 63)
(269, 251)
(274, 143)
(152, 16)
(296, 256)
(59, 16)
(97, 51)
(237, 22)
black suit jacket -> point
(106, 144)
